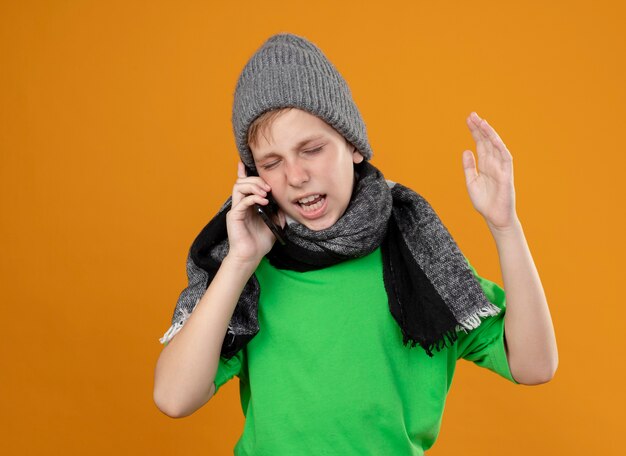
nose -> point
(296, 173)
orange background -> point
(116, 149)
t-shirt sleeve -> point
(484, 345)
(228, 368)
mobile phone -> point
(267, 212)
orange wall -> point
(116, 148)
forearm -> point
(531, 343)
(186, 367)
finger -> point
(473, 123)
(241, 190)
(248, 188)
(247, 185)
(496, 141)
(484, 142)
(485, 129)
(240, 210)
(254, 179)
(241, 173)
(489, 131)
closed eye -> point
(274, 164)
(313, 151)
(270, 165)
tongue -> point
(319, 198)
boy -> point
(322, 331)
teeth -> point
(313, 207)
(308, 199)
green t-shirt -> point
(327, 373)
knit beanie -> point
(290, 71)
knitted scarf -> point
(432, 293)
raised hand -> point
(490, 187)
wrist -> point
(513, 230)
(513, 225)
(247, 266)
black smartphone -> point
(268, 212)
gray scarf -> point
(431, 290)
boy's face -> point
(311, 181)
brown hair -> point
(262, 123)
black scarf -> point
(432, 292)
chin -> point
(318, 225)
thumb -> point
(241, 170)
(469, 166)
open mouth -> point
(311, 203)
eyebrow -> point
(298, 145)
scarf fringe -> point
(448, 338)
(175, 328)
(178, 325)
(474, 321)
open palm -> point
(490, 187)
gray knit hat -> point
(288, 70)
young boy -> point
(323, 330)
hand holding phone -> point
(268, 212)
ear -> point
(357, 157)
